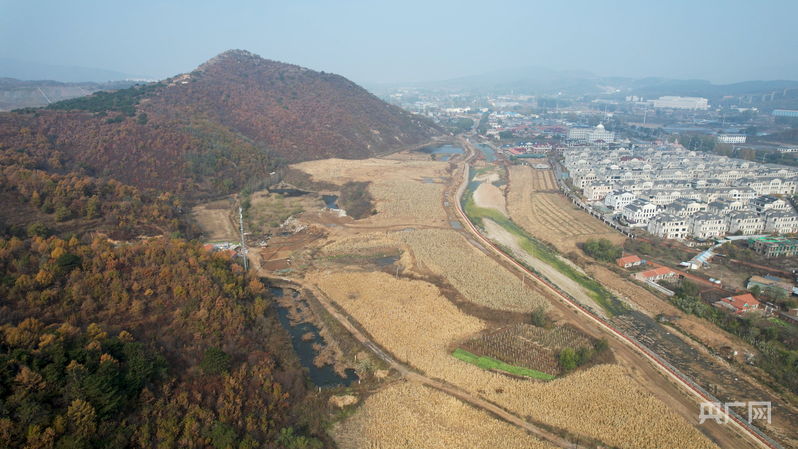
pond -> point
(289, 193)
(443, 149)
(385, 261)
(329, 201)
(321, 377)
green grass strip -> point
(490, 363)
(595, 290)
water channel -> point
(321, 377)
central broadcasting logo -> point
(712, 410)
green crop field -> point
(489, 363)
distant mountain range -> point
(544, 81)
(15, 94)
(34, 71)
(226, 124)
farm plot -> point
(412, 320)
(534, 202)
(411, 415)
(527, 346)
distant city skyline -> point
(413, 41)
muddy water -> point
(330, 200)
(321, 377)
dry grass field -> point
(412, 415)
(401, 189)
(412, 320)
(536, 204)
(215, 222)
(408, 199)
(443, 252)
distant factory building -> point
(731, 138)
(681, 102)
(784, 113)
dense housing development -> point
(675, 193)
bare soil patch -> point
(489, 196)
(215, 220)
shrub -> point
(215, 361)
(602, 250)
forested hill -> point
(228, 123)
(301, 113)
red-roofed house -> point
(738, 304)
(629, 261)
(208, 246)
(655, 275)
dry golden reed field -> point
(414, 416)
(412, 320)
(408, 199)
(536, 204)
(447, 253)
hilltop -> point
(230, 122)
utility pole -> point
(243, 246)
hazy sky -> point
(410, 40)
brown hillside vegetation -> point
(229, 123)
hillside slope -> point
(225, 125)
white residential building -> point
(618, 199)
(744, 194)
(639, 212)
(746, 223)
(668, 226)
(685, 207)
(706, 225)
(781, 221)
(769, 202)
(597, 190)
(725, 206)
(582, 180)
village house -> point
(738, 304)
